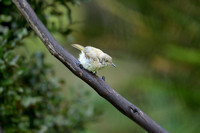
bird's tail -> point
(79, 47)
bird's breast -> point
(90, 64)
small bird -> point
(93, 59)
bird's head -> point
(107, 60)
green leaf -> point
(8, 56)
(8, 82)
(1, 90)
(13, 62)
(28, 101)
(7, 2)
(22, 33)
(5, 18)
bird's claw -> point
(104, 78)
(81, 66)
(95, 72)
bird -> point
(93, 59)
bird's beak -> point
(114, 65)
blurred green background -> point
(155, 46)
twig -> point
(98, 84)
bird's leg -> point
(81, 66)
(95, 72)
(104, 78)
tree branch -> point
(99, 85)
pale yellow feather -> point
(78, 46)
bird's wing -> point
(90, 53)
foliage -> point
(31, 99)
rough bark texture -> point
(99, 85)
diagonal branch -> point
(99, 85)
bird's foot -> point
(95, 72)
(104, 78)
(81, 66)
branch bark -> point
(99, 85)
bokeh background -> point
(155, 46)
